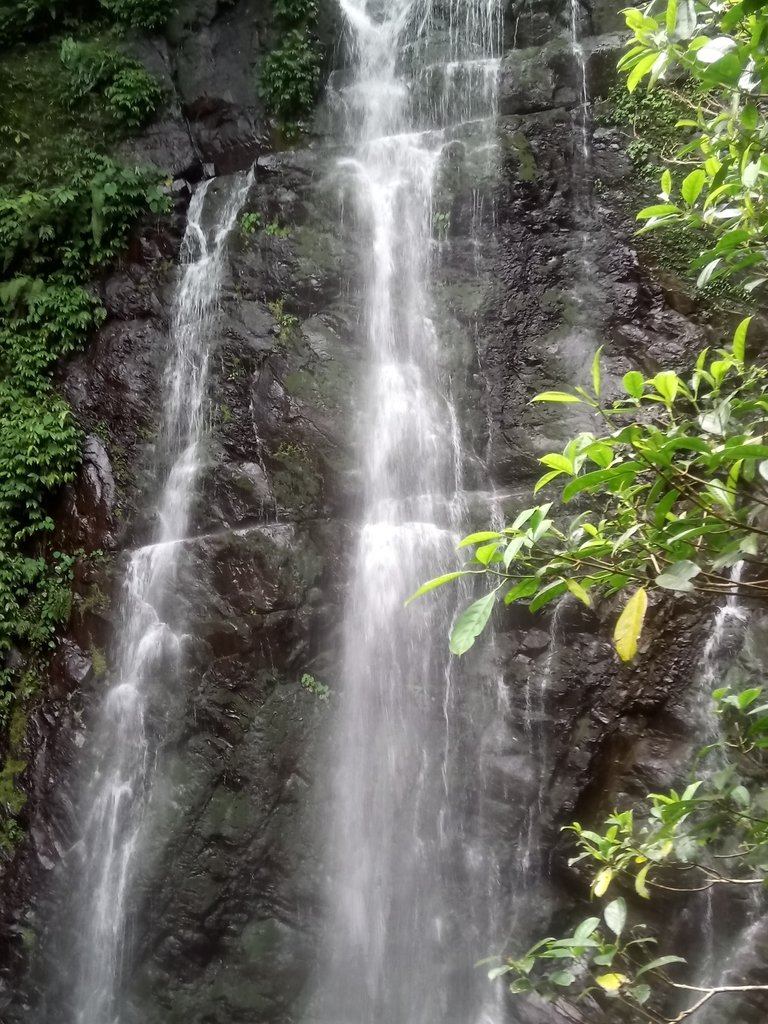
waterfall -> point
(101, 866)
(411, 881)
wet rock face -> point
(227, 899)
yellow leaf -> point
(603, 880)
(611, 982)
(630, 625)
(640, 887)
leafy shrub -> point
(131, 93)
(250, 223)
(24, 17)
(143, 14)
(75, 226)
(294, 12)
(290, 76)
(133, 96)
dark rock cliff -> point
(227, 899)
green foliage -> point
(711, 834)
(721, 50)
(276, 230)
(141, 14)
(315, 687)
(679, 478)
(289, 325)
(290, 76)
(131, 93)
(77, 225)
(250, 223)
(294, 12)
(21, 19)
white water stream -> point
(114, 800)
(411, 883)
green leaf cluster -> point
(20, 19)
(721, 50)
(290, 73)
(678, 485)
(65, 211)
(713, 833)
(95, 71)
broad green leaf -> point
(479, 538)
(740, 339)
(692, 186)
(707, 272)
(579, 592)
(658, 210)
(613, 479)
(661, 961)
(438, 582)
(497, 972)
(634, 384)
(546, 479)
(640, 993)
(486, 553)
(666, 383)
(556, 396)
(750, 117)
(596, 372)
(513, 550)
(520, 985)
(586, 928)
(562, 978)
(630, 625)
(671, 16)
(666, 183)
(525, 588)
(611, 982)
(615, 915)
(547, 594)
(558, 462)
(522, 518)
(640, 70)
(471, 623)
(750, 174)
(678, 576)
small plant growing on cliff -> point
(277, 230)
(712, 835)
(294, 12)
(290, 76)
(250, 223)
(131, 93)
(141, 14)
(288, 324)
(315, 687)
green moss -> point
(99, 662)
(526, 161)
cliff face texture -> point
(225, 909)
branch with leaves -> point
(675, 846)
(720, 50)
(678, 480)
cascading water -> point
(411, 881)
(100, 868)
